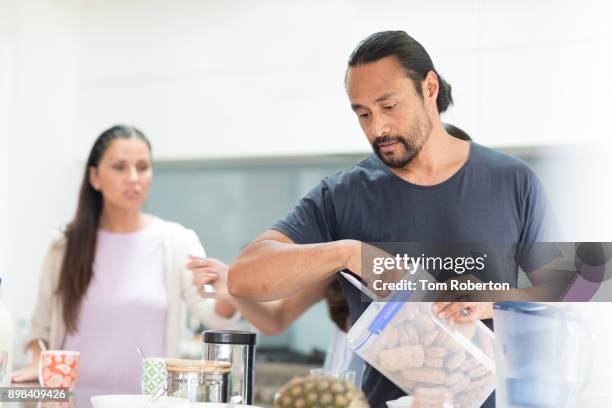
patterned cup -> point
(58, 368)
(153, 374)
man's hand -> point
(463, 312)
(351, 250)
(359, 255)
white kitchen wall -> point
(233, 78)
(6, 81)
(37, 75)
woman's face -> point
(124, 174)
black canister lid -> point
(230, 337)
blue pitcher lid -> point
(536, 309)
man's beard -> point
(408, 149)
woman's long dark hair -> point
(81, 233)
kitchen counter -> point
(269, 377)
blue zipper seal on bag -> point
(383, 318)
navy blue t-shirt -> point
(493, 198)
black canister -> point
(238, 349)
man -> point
(422, 185)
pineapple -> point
(320, 392)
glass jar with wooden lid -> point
(198, 380)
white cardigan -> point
(177, 242)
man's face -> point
(390, 111)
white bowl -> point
(135, 401)
(403, 402)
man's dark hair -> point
(409, 53)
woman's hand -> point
(209, 271)
(30, 372)
(27, 374)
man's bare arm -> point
(273, 318)
(274, 267)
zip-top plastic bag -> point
(407, 343)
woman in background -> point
(113, 280)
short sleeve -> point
(539, 232)
(312, 220)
